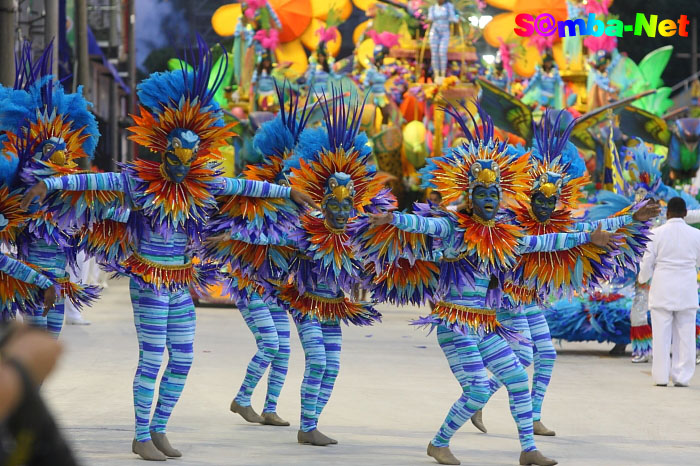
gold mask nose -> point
(58, 157)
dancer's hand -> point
(302, 199)
(647, 212)
(601, 238)
(380, 219)
(49, 299)
(38, 192)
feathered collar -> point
(491, 245)
(329, 252)
(168, 206)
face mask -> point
(543, 206)
(485, 201)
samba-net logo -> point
(547, 25)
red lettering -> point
(527, 27)
(682, 23)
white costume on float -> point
(671, 262)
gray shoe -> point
(314, 437)
(161, 442)
(247, 413)
(147, 450)
(697, 359)
(333, 441)
(442, 455)
(540, 429)
(640, 359)
(478, 421)
(535, 457)
(272, 419)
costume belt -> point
(521, 294)
(159, 274)
(475, 318)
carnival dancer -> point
(440, 16)
(557, 179)
(170, 202)
(22, 287)
(477, 248)
(545, 87)
(47, 131)
(333, 166)
(258, 259)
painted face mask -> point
(485, 201)
(546, 192)
(181, 152)
(484, 187)
(338, 202)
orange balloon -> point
(364, 4)
(346, 10)
(293, 52)
(225, 18)
(361, 28)
(295, 16)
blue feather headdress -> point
(280, 135)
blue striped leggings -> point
(532, 324)
(321, 343)
(270, 326)
(469, 356)
(162, 320)
(53, 259)
(439, 42)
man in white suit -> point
(671, 261)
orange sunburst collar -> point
(313, 176)
(15, 216)
(494, 244)
(465, 167)
(152, 131)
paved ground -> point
(393, 391)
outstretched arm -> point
(77, 182)
(243, 187)
(23, 272)
(438, 227)
(563, 241)
(607, 224)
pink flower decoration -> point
(268, 39)
(506, 57)
(385, 38)
(250, 12)
(480, 4)
(607, 43)
(597, 7)
(257, 4)
(541, 43)
(327, 34)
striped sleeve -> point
(552, 242)
(608, 224)
(23, 272)
(243, 187)
(438, 227)
(87, 182)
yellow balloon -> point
(225, 18)
(364, 4)
(359, 30)
(321, 8)
(310, 39)
(414, 132)
(345, 10)
(293, 52)
(365, 52)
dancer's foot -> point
(272, 419)
(147, 450)
(442, 455)
(640, 358)
(537, 458)
(247, 413)
(313, 438)
(618, 350)
(477, 420)
(541, 429)
(333, 441)
(161, 442)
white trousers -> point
(673, 333)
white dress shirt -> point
(671, 262)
